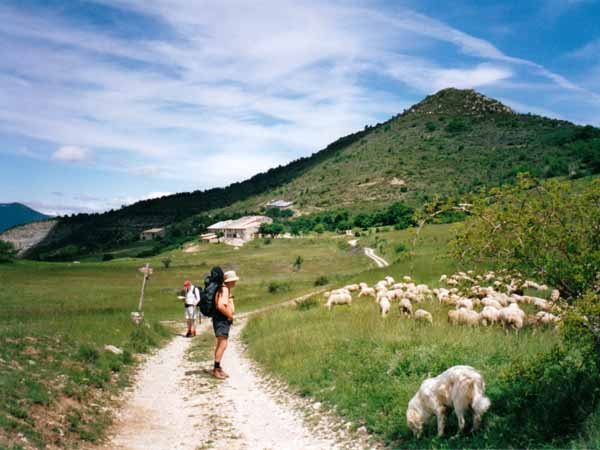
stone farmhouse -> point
(245, 228)
(151, 234)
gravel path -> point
(177, 405)
(378, 259)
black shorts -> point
(221, 327)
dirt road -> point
(378, 259)
(177, 405)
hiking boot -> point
(189, 334)
(218, 373)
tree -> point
(298, 263)
(7, 252)
(548, 230)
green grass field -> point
(368, 368)
(55, 319)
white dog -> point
(460, 387)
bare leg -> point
(220, 348)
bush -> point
(400, 248)
(430, 126)
(87, 353)
(7, 252)
(548, 397)
(166, 262)
(321, 281)
(457, 125)
(307, 303)
(278, 286)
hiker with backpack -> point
(216, 301)
(191, 299)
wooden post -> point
(146, 272)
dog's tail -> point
(480, 403)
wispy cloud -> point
(71, 153)
(221, 90)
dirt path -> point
(378, 259)
(177, 405)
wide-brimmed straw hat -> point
(230, 275)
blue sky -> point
(105, 102)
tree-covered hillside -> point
(452, 142)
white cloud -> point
(71, 153)
(224, 97)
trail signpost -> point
(139, 315)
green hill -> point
(452, 142)
(13, 214)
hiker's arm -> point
(223, 303)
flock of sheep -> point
(474, 300)
(486, 299)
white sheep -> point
(405, 307)
(368, 291)
(489, 315)
(546, 318)
(464, 302)
(555, 296)
(512, 317)
(423, 316)
(491, 302)
(384, 306)
(338, 298)
(407, 279)
(389, 280)
(463, 316)
(352, 287)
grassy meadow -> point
(368, 368)
(55, 319)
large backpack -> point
(212, 284)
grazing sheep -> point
(464, 302)
(423, 316)
(555, 296)
(338, 298)
(407, 279)
(512, 317)
(384, 306)
(381, 285)
(463, 316)
(546, 318)
(389, 280)
(370, 292)
(490, 302)
(363, 285)
(459, 387)
(405, 307)
(443, 278)
(489, 315)
(352, 287)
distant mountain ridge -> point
(13, 214)
(450, 143)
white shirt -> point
(190, 298)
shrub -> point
(7, 252)
(430, 126)
(307, 303)
(321, 281)
(87, 353)
(457, 125)
(166, 262)
(400, 248)
(298, 262)
(548, 397)
(319, 228)
(278, 286)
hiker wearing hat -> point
(222, 320)
(191, 298)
